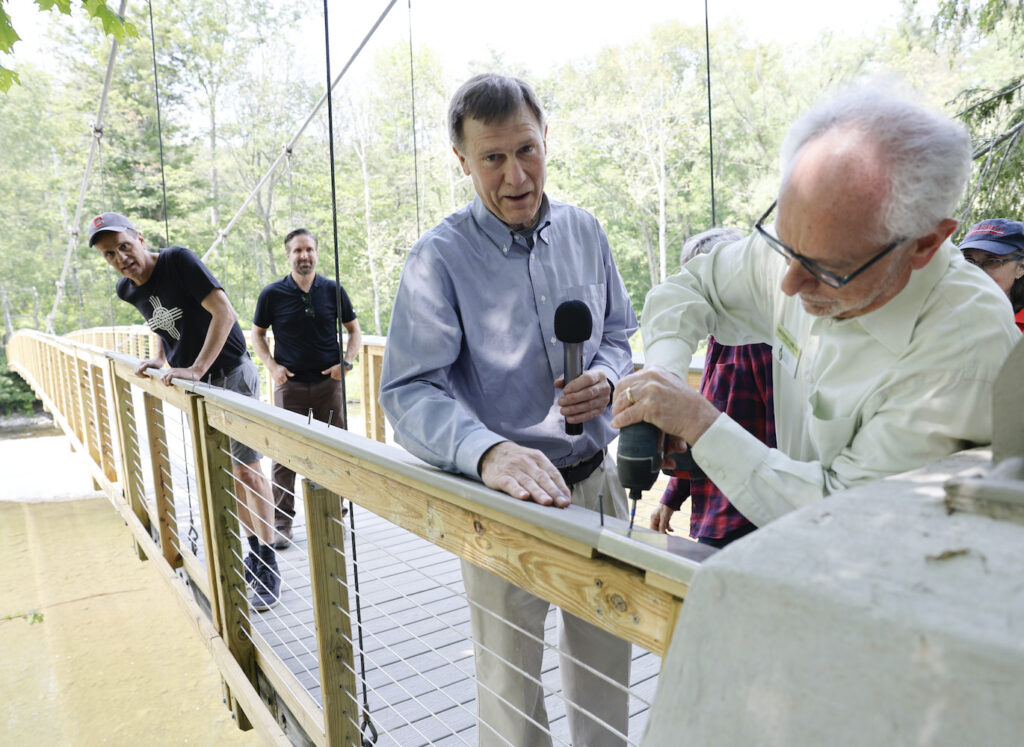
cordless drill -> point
(641, 447)
(641, 453)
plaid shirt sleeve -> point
(737, 381)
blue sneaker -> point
(267, 586)
(251, 563)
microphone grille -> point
(573, 322)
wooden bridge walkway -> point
(419, 653)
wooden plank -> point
(300, 703)
(91, 407)
(224, 552)
(329, 579)
(130, 463)
(606, 593)
(207, 521)
(304, 455)
(177, 396)
(163, 491)
(106, 432)
(373, 415)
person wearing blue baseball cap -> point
(997, 246)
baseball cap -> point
(996, 235)
(108, 222)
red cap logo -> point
(97, 221)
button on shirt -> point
(867, 397)
(472, 355)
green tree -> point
(113, 24)
(993, 110)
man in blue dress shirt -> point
(472, 383)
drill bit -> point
(634, 495)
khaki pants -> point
(510, 705)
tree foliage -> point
(628, 140)
(994, 110)
(113, 24)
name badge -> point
(787, 352)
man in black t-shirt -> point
(302, 308)
(197, 332)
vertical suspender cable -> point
(366, 727)
(73, 238)
(711, 136)
(103, 196)
(159, 128)
(193, 533)
(415, 149)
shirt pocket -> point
(829, 436)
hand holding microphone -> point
(573, 326)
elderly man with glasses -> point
(304, 309)
(885, 347)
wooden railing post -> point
(373, 415)
(163, 487)
(224, 551)
(128, 439)
(105, 434)
(329, 581)
(92, 406)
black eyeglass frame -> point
(820, 273)
(993, 262)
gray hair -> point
(928, 155)
(490, 97)
(705, 241)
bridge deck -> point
(419, 653)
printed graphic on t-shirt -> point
(164, 318)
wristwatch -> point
(347, 365)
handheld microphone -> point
(573, 325)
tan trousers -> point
(510, 705)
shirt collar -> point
(290, 282)
(893, 324)
(500, 234)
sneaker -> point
(282, 537)
(251, 564)
(267, 587)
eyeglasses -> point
(817, 271)
(991, 263)
(310, 311)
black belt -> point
(577, 473)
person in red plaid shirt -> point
(738, 381)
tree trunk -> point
(369, 246)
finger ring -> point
(629, 394)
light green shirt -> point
(855, 399)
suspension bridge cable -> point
(222, 234)
(334, 218)
(711, 135)
(73, 235)
(103, 201)
(415, 149)
(159, 128)
(366, 729)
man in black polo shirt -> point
(302, 308)
(197, 332)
